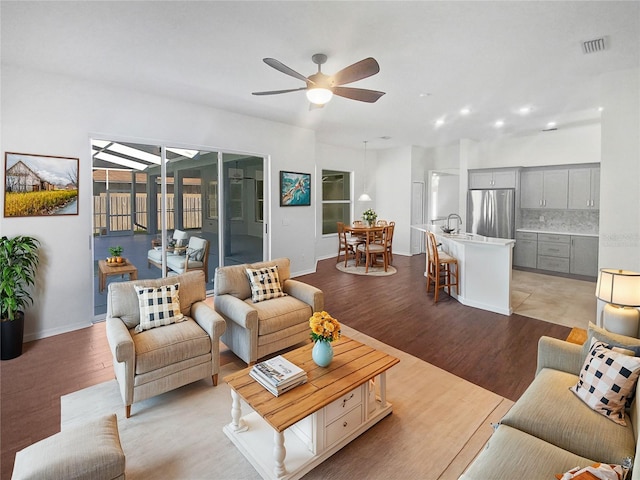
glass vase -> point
(322, 353)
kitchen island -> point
(484, 268)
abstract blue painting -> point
(295, 189)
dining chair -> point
(442, 269)
(373, 248)
(346, 244)
(390, 242)
(382, 223)
(359, 224)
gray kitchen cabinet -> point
(554, 252)
(525, 252)
(584, 188)
(541, 189)
(492, 179)
(584, 256)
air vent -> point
(595, 45)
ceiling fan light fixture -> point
(319, 95)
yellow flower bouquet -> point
(324, 327)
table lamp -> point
(621, 290)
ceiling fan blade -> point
(276, 92)
(360, 94)
(281, 67)
(359, 70)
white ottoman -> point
(89, 451)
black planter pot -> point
(12, 334)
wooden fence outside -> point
(121, 217)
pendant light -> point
(364, 197)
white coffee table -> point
(313, 421)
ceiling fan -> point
(321, 87)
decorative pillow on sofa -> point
(158, 306)
(610, 338)
(265, 283)
(607, 379)
(195, 254)
(597, 471)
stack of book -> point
(278, 375)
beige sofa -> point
(549, 430)
(162, 358)
(258, 329)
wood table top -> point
(115, 267)
(353, 364)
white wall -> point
(620, 172)
(579, 144)
(393, 194)
(54, 115)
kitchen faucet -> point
(454, 215)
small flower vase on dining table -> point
(322, 353)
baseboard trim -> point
(30, 337)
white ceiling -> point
(493, 57)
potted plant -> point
(116, 254)
(18, 264)
(370, 216)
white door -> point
(417, 217)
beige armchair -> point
(163, 358)
(255, 330)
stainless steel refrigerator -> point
(491, 212)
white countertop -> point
(464, 237)
(530, 230)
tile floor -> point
(559, 300)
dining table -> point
(368, 235)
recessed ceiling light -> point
(424, 95)
(465, 111)
(525, 110)
(439, 122)
(600, 109)
(499, 123)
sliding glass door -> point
(151, 199)
(243, 211)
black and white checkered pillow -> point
(265, 283)
(607, 379)
(158, 306)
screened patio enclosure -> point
(142, 193)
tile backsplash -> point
(574, 221)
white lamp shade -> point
(619, 287)
(318, 95)
(364, 198)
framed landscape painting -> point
(295, 189)
(40, 185)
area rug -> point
(374, 270)
(439, 424)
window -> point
(336, 200)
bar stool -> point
(442, 269)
